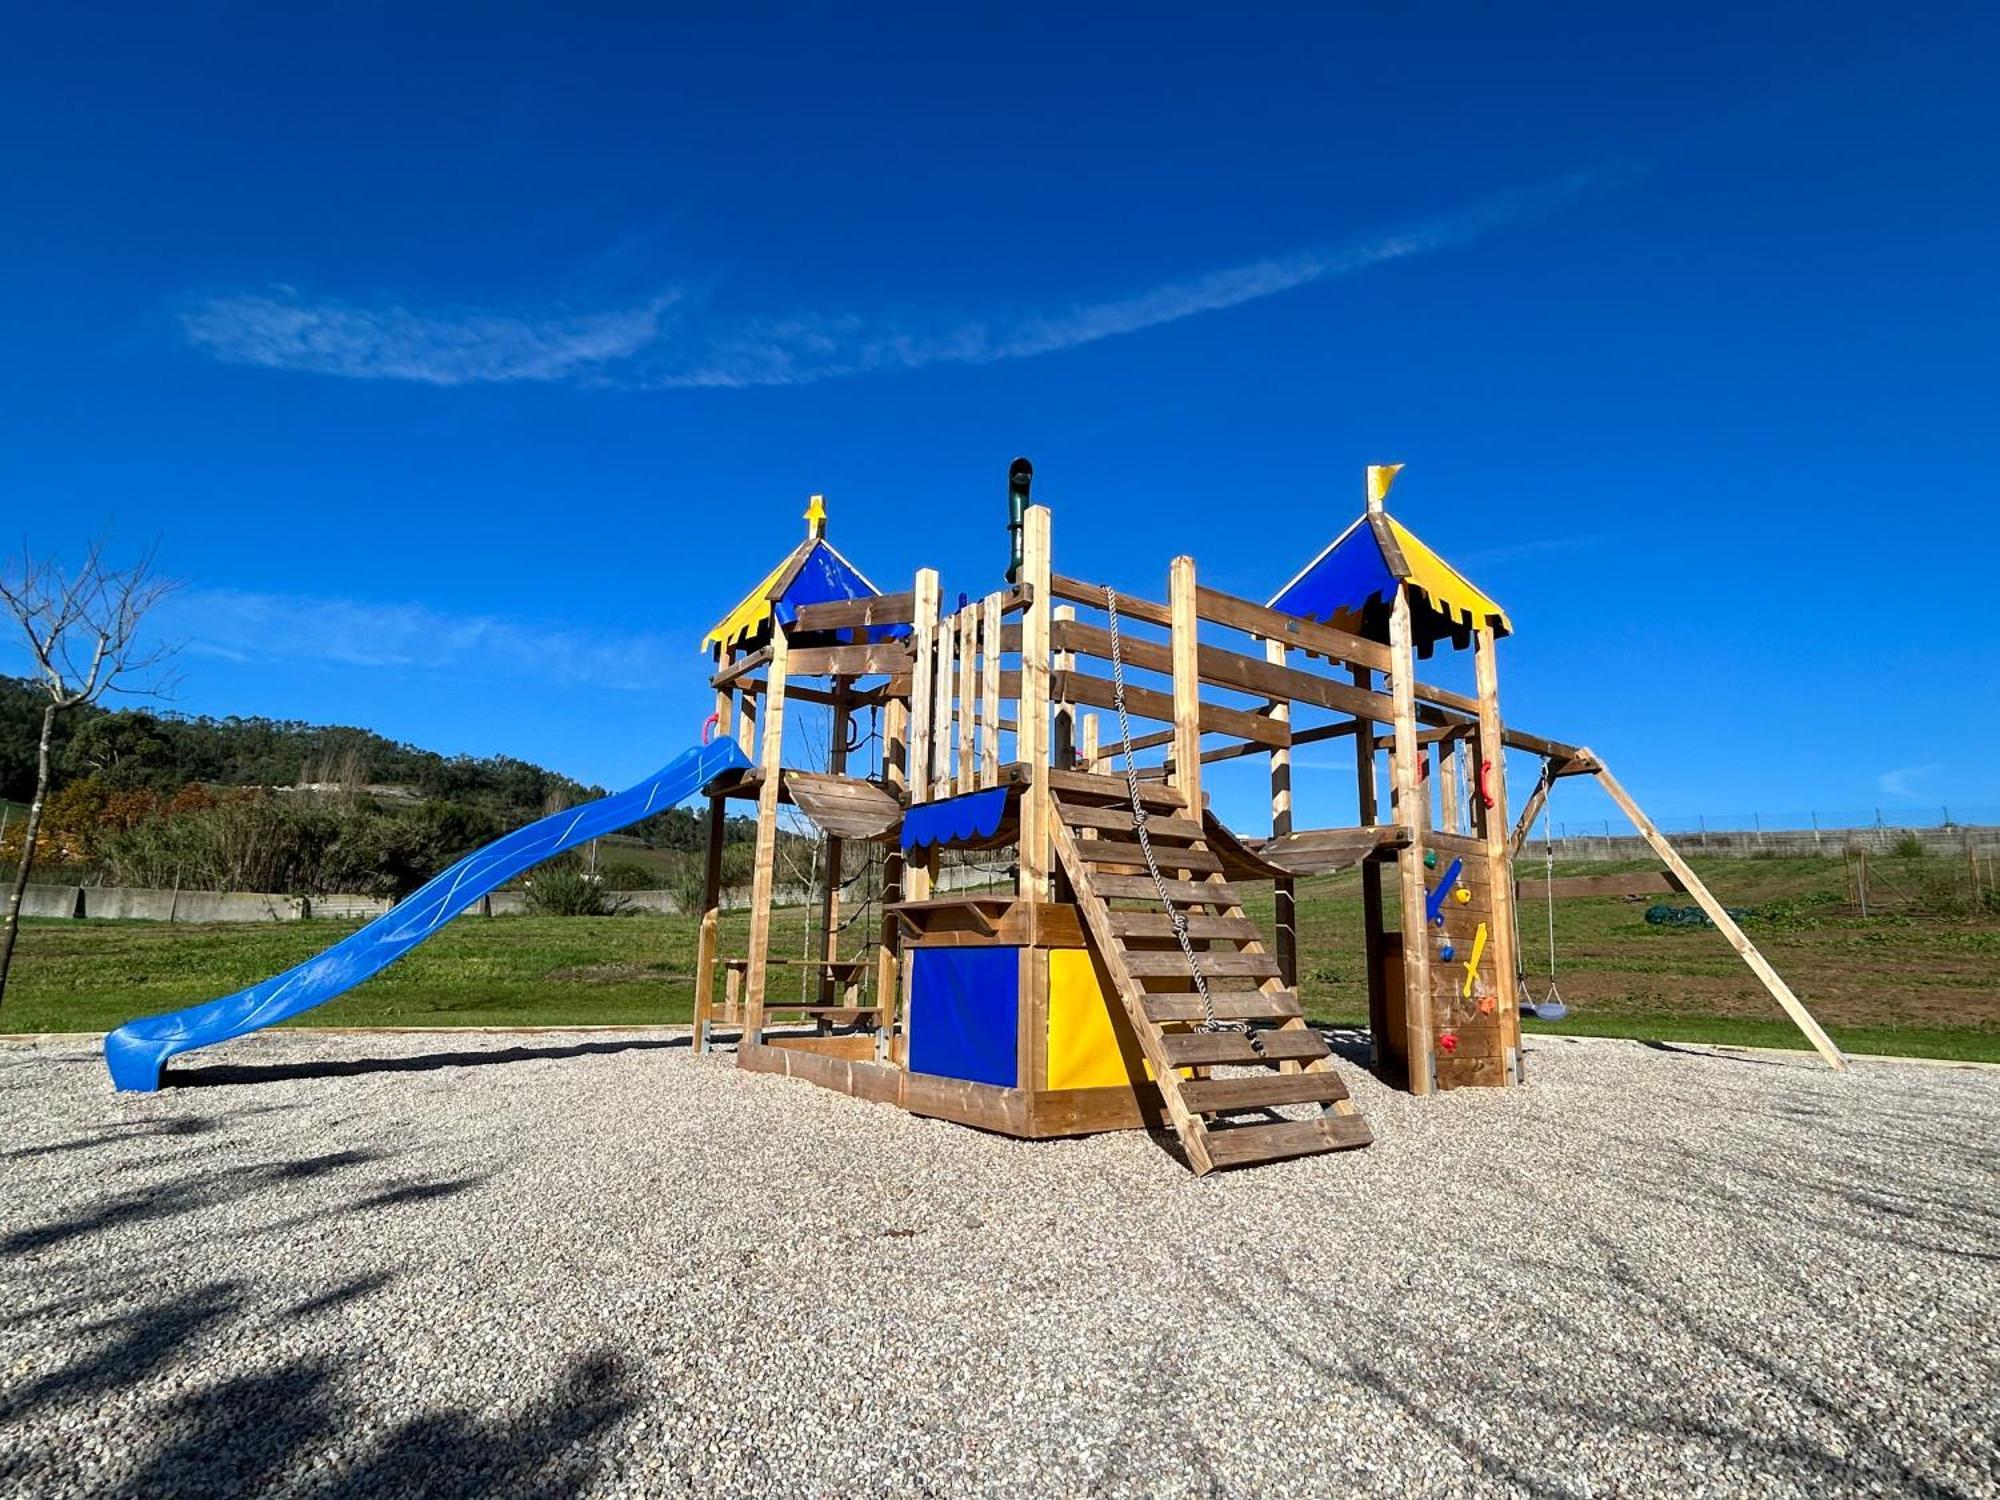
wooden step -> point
(1090, 786)
(1119, 820)
(1193, 1049)
(1218, 964)
(1247, 1145)
(1157, 924)
(1214, 893)
(1230, 1005)
(1170, 857)
(1210, 1096)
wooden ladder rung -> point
(1169, 857)
(1230, 1005)
(1246, 1145)
(1210, 1096)
(1170, 963)
(1157, 924)
(1088, 784)
(1202, 1048)
(1119, 820)
(1213, 893)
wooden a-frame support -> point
(1586, 763)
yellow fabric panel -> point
(1083, 1043)
(1449, 589)
(747, 616)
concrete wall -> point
(1825, 843)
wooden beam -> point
(1187, 705)
(1408, 796)
(853, 614)
(763, 874)
(917, 875)
(1032, 739)
(1489, 821)
(1148, 703)
(1130, 606)
(707, 942)
(1719, 915)
(1374, 942)
(989, 691)
(1284, 893)
(878, 659)
(1307, 635)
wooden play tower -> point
(1116, 980)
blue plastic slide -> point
(138, 1050)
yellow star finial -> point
(1380, 477)
(816, 517)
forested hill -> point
(135, 749)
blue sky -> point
(468, 365)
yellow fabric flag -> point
(1380, 477)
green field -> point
(1921, 978)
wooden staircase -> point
(1120, 906)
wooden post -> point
(1186, 776)
(709, 937)
(990, 626)
(1367, 813)
(916, 756)
(1033, 711)
(888, 952)
(1409, 808)
(1284, 893)
(1064, 713)
(770, 762)
(939, 760)
(1726, 924)
(1450, 766)
(839, 717)
(1490, 822)
(968, 695)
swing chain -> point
(1175, 916)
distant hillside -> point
(141, 797)
(135, 748)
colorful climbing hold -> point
(1448, 1043)
(1430, 859)
(1462, 896)
(1446, 951)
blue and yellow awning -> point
(813, 573)
(1352, 584)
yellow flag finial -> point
(1380, 477)
(816, 517)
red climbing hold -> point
(1448, 1043)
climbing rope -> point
(1175, 915)
(1554, 995)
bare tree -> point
(82, 629)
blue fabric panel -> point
(1345, 579)
(956, 820)
(964, 1010)
(823, 578)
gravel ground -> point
(488, 1265)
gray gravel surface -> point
(478, 1264)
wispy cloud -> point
(289, 629)
(281, 329)
(669, 342)
(1902, 782)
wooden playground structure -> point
(1112, 971)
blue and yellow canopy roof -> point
(1353, 583)
(813, 572)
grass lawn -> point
(1893, 983)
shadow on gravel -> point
(139, 1130)
(168, 1200)
(223, 1074)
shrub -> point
(1909, 846)
(564, 891)
(625, 875)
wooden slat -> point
(1215, 893)
(1230, 1005)
(1210, 1096)
(1307, 635)
(852, 614)
(1112, 789)
(1247, 1145)
(1171, 963)
(1107, 851)
(1119, 820)
(1157, 924)
(1130, 607)
(1082, 687)
(1193, 1049)
(1230, 669)
(849, 661)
